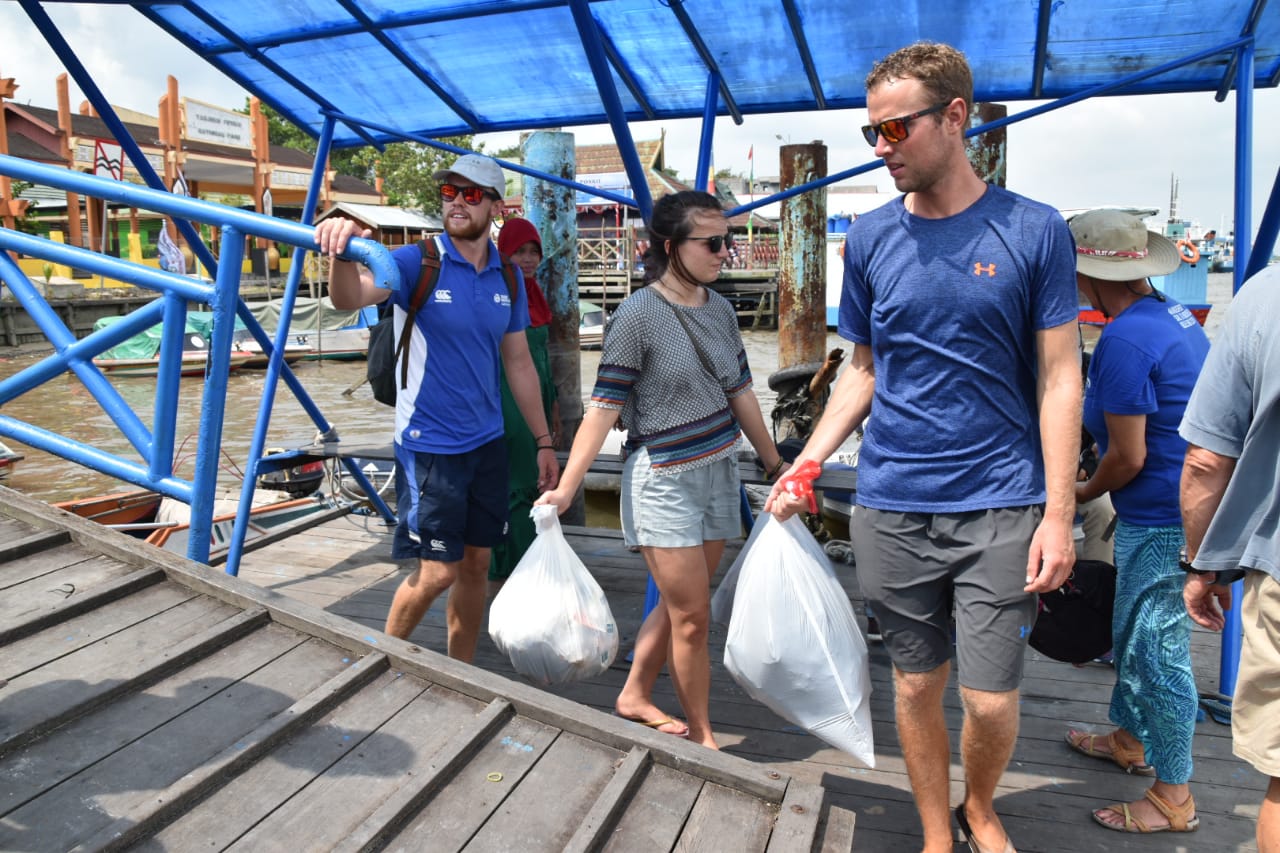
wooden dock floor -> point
(345, 568)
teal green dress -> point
(522, 460)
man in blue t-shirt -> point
(451, 456)
(960, 300)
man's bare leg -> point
(1269, 819)
(986, 745)
(416, 594)
(467, 597)
(926, 748)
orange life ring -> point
(1188, 251)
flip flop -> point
(657, 724)
(974, 846)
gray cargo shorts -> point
(915, 567)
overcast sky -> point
(1105, 151)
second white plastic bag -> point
(551, 618)
(794, 643)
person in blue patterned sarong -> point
(1143, 369)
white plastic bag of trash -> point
(551, 618)
(793, 642)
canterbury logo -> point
(989, 269)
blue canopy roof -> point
(444, 67)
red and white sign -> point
(108, 160)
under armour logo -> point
(989, 269)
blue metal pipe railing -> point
(156, 446)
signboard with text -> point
(208, 123)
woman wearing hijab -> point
(519, 241)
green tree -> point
(26, 223)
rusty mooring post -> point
(987, 152)
(802, 258)
(802, 282)
(553, 210)
(550, 207)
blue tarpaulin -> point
(462, 66)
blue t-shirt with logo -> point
(455, 405)
(950, 308)
(1146, 363)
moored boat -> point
(9, 460)
(140, 354)
(591, 319)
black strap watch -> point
(1225, 577)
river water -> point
(63, 405)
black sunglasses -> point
(895, 129)
(714, 243)
(471, 195)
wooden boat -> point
(140, 354)
(295, 349)
(118, 509)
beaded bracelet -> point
(773, 472)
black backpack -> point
(1074, 622)
(385, 350)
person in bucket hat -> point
(1140, 377)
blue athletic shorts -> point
(445, 501)
(915, 568)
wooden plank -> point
(250, 797)
(53, 695)
(797, 825)
(55, 758)
(400, 806)
(330, 807)
(725, 819)
(461, 807)
(657, 812)
(612, 802)
(22, 569)
(78, 589)
(145, 816)
(93, 798)
(837, 831)
(542, 812)
(17, 543)
(279, 534)
(35, 650)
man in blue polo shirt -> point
(451, 487)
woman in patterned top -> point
(674, 373)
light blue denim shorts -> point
(679, 510)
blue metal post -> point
(702, 179)
(1268, 229)
(599, 63)
(1244, 170)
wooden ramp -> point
(1044, 797)
(153, 703)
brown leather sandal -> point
(1129, 759)
(1181, 818)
